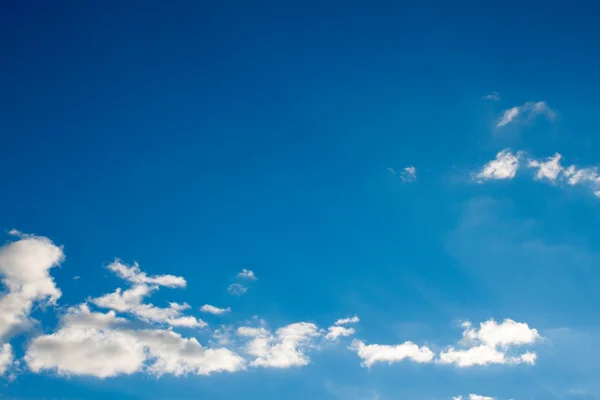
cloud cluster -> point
(506, 164)
(337, 330)
(473, 397)
(527, 112)
(492, 343)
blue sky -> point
(429, 169)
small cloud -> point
(345, 321)
(235, 289)
(76, 278)
(503, 167)
(408, 174)
(529, 110)
(247, 274)
(334, 332)
(495, 96)
(549, 169)
(207, 308)
(391, 171)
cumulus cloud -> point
(378, 353)
(492, 343)
(6, 358)
(549, 169)
(504, 166)
(344, 321)
(247, 274)
(131, 300)
(235, 289)
(284, 349)
(529, 111)
(334, 332)
(92, 344)
(207, 308)
(408, 174)
(25, 266)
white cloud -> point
(504, 166)
(247, 274)
(285, 349)
(474, 397)
(529, 110)
(6, 358)
(374, 353)
(334, 332)
(492, 344)
(131, 300)
(495, 96)
(408, 174)
(101, 349)
(508, 116)
(549, 169)
(134, 275)
(235, 289)
(25, 272)
(207, 308)
(344, 321)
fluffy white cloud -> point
(235, 289)
(25, 267)
(247, 274)
(529, 110)
(408, 174)
(6, 358)
(375, 353)
(549, 169)
(344, 321)
(90, 343)
(504, 166)
(207, 308)
(131, 300)
(134, 275)
(474, 397)
(334, 332)
(492, 343)
(284, 349)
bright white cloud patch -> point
(25, 267)
(134, 275)
(549, 169)
(6, 358)
(492, 343)
(504, 166)
(473, 397)
(344, 321)
(247, 274)
(334, 332)
(93, 344)
(378, 353)
(235, 289)
(408, 174)
(528, 111)
(207, 308)
(284, 349)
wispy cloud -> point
(495, 96)
(408, 174)
(207, 308)
(528, 111)
(235, 289)
(247, 274)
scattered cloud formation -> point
(25, 266)
(504, 166)
(247, 274)
(492, 343)
(207, 308)
(131, 300)
(529, 111)
(473, 397)
(284, 349)
(377, 353)
(495, 96)
(408, 174)
(235, 289)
